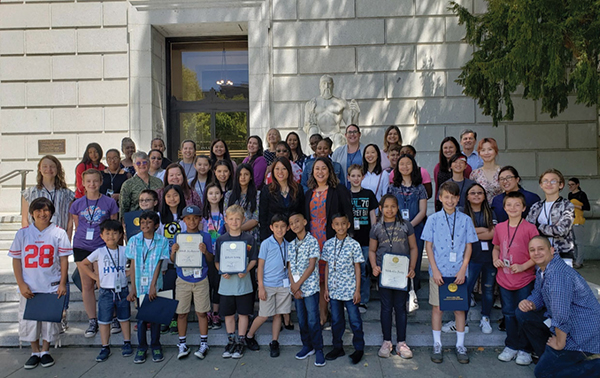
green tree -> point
(549, 47)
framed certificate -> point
(189, 255)
(233, 257)
(394, 271)
(453, 297)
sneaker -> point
(173, 327)
(357, 356)
(238, 351)
(473, 303)
(385, 350)
(46, 360)
(335, 353)
(92, 329)
(485, 325)
(115, 326)
(216, 322)
(164, 328)
(502, 325)
(126, 350)
(157, 355)
(229, 349)
(289, 327)
(436, 354)
(319, 358)
(252, 344)
(304, 353)
(140, 357)
(209, 317)
(577, 266)
(523, 358)
(461, 355)
(184, 351)
(202, 351)
(497, 303)
(64, 325)
(404, 351)
(450, 327)
(104, 354)
(274, 346)
(32, 362)
(362, 308)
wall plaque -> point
(52, 146)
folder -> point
(453, 297)
(132, 223)
(160, 310)
(45, 307)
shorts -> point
(279, 301)
(434, 293)
(109, 301)
(80, 254)
(240, 304)
(186, 290)
(31, 330)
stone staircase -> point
(419, 323)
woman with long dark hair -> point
(256, 160)
(245, 194)
(220, 151)
(391, 137)
(175, 175)
(442, 173)
(296, 154)
(91, 159)
(376, 179)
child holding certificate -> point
(342, 256)
(392, 236)
(147, 250)
(191, 280)
(235, 256)
(448, 235)
(40, 264)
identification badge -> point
(117, 284)
(110, 192)
(187, 271)
(485, 246)
(197, 273)
(286, 282)
(452, 257)
(356, 224)
(296, 277)
(405, 214)
(89, 234)
(548, 322)
(507, 263)
(145, 281)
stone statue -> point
(324, 114)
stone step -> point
(13, 226)
(10, 218)
(5, 245)
(7, 235)
(418, 335)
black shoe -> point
(252, 344)
(46, 360)
(335, 353)
(32, 362)
(274, 348)
(502, 325)
(357, 356)
(289, 327)
(164, 328)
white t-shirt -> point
(544, 217)
(40, 252)
(107, 258)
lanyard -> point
(147, 252)
(298, 245)
(335, 256)
(91, 220)
(52, 194)
(113, 260)
(112, 179)
(453, 226)
(390, 238)
(405, 195)
(217, 224)
(508, 234)
(283, 252)
(353, 156)
(546, 212)
(200, 188)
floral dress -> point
(318, 222)
(493, 188)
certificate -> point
(394, 271)
(189, 255)
(233, 257)
(453, 297)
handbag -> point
(413, 303)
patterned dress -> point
(318, 221)
(492, 188)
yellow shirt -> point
(579, 219)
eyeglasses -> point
(476, 193)
(142, 200)
(155, 158)
(352, 132)
(113, 158)
(138, 163)
(551, 182)
(507, 178)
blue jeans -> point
(510, 302)
(154, 335)
(365, 281)
(338, 324)
(393, 300)
(420, 245)
(488, 278)
(309, 321)
(566, 363)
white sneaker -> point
(184, 351)
(473, 303)
(450, 327)
(523, 358)
(507, 354)
(485, 325)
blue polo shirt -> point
(275, 256)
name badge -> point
(452, 257)
(110, 192)
(145, 281)
(117, 283)
(405, 214)
(89, 234)
(197, 273)
(507, 263)
(286, 282)
(296, 277)
(548, 322)
(356, 224)
(485, 246)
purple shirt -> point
(91, 213)
(259, 166)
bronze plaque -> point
(52, 146)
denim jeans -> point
(338, 324)
(566, 363)
(510, 302)
(420, 244)
(533, 329)
(393, 300)
(154, 335)
(365, 281)
(488, 278)
(309, 321)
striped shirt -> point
(61, 198)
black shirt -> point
(362, 203)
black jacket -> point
(271, 204)
(339, 200)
